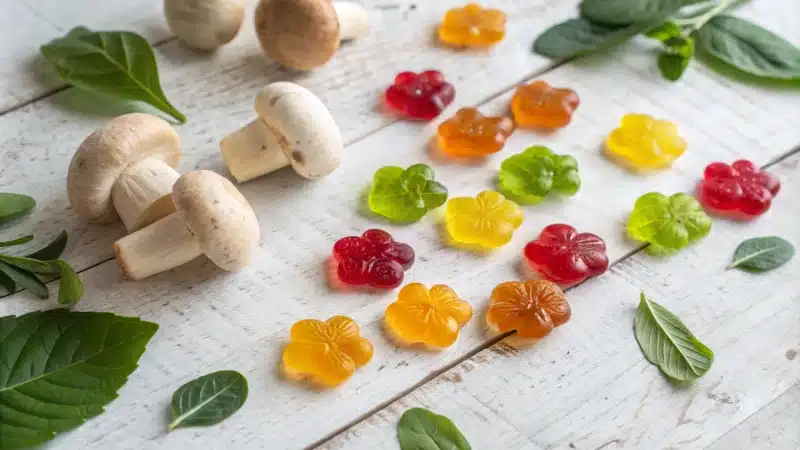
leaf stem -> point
(695, 23)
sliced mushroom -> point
(126, 170)
(204, 24)
(294, 127)
(212, 218)
(305, 34)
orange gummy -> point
(471, 134)
(473, 26)
(539, 105)
(430, 317)
(531, 308)
(327, 353)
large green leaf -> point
(116, 63)
(577, 37)
(762, 254)
(420, 429)
(668, 343)
(208, 400)
(14, 205)
(60, 368)
(625, 12)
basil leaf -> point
(749, 48)
(116, 63)
(420, 429)
(61, 368)
(7, 283)
(208, 400)
(14, 205)
(53, 250)
(25, 280)
(577, 37)
(762, 254)
(668, 343)
(625, 12)
(17, 241)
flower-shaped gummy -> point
(531, 308)
(488, 220)
(326, 353)
(564, 256)
(405, 195)
(420, 96)
(668, 224)
(472, 26)
(529, 176)
(739, 190)
(431, 317)
(541, 106)
(374, 259)
(642, 143)
(471, 134)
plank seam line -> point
(485, 345)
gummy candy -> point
(740, 190)
(531, 308)
(488, 220)
(668, 224)
(420, 96)
(327, 353)
(529, 176)
(473, 26)
(430, 317)
(538, 105)
(373, 258)
(405, 195)
(471, 134)
(643, 143)
(565, 257)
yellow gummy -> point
(430, 317)
(488, 220)
(644, 143)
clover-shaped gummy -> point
(642, 143)
(405, 195)
(473, 26)
(420, 96)
(488, 220)
(471, 134)
(739, 190)
(529, 176)
(373, 259)
(430, 317)
(564, 256)
(668, 224)
(540, 106)
(532, 309)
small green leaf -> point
(7, 283)
(529, 176)
(578, 37)
(116, 63)
(17, 241)
(208, 400)
(672, 66)
(13, 206)
(668, 224)
(53, 250)
(668, 343)
(421, 429)
(625, 12)
(665, 31)
(70, 288)
(25, 280)
(762, 254)
(749, 48)
(405, 195)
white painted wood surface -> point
(211, 320)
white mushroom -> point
(126, 170)
(305, 34)
(293, 127)
(212, 218)
(204, 24)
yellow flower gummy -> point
(431, 317)
(473, 26)
(488, 220)
(643, 143)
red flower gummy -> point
(373, 258)
(420, 96)
(564, 256)
(739, 190)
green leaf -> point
(668, 343)
(7, 283)
(53, 250)
(668, 224)
(25, 280)
(672, 66)
(208, 400)
(625, 12)
(13, 206)
(529, 176)
(665, 31)
(762, 254)
(405, 195)
(421, 429)
(116, 63)
(749, 48)
(578, 37)
(60, 368)
(17, 241)
(70, 288)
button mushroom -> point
(305, 34)
(294, 127)
(204, 24)
(212, 218)
(126, 170)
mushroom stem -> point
(353, 20)
(143, 193)
(156, 248)
(252, 151)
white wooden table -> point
(587, 386)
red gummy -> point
(564, 256)
(420, 96)
(374, 258)
(740, 190)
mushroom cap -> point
(104, 155)
(219, 217)
(303, 126)
(204, 24)
(299, 34)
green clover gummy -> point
(668, 224)
(405, 195)
(529, 176)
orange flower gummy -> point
(539, 105)
(471, 134)
(532, 308)
(431, 317)
(473, 26)
(327, 353)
